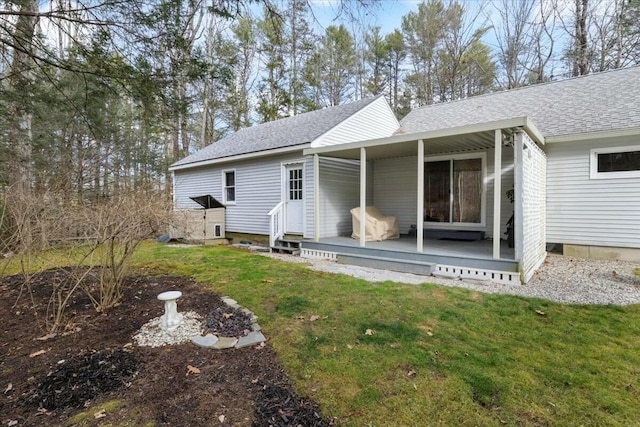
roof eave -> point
(517, 122)
(238, 157)
(611, 133)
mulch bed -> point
(49, 380)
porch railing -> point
(276, 223)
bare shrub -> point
(119, 224)
(88, 235)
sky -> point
(387, 14)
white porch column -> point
(363, 195)
(420, 212)
(316, 198)
(497, 192)
(518, 186)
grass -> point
(435, 355)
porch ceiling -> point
(445, 141)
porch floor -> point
(481, 249)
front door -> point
(294, 199)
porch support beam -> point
(420, 212)
(497, 192)
(316, 198)
(363, 195)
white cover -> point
(377, 225)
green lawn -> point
(435, 355)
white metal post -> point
(363, 195)
(518, 185)
(420, 212)
(316, 198)
(497, 193)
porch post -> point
(316, 198)
(363, 195)
(420, 218)
(497, 192)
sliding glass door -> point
(453, 190)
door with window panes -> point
(294, 209)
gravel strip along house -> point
(479, 187)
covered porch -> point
(442, 181)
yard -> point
(367, 353)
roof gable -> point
(593, 103)
(286, 132)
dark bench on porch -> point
(437, 233)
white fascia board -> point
(518, 122)
(255, 154)
(595, 135)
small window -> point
(217, 230)
(618, 162)
(229, 189)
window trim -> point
(225, 187)
(483, 199)
(593, 160)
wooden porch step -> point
(288, 246)
(285, 250)
(385, 263)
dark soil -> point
(92, 364)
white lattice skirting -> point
(317, 254)
(506, 277)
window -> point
(295, 184)
(453, 190)
(616, 162)
(229, 190)
(217, 230)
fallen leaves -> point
(540, 313)
(192, 370)
(369, 332)
(38, 353)
(221, 418)
(47, 337)
(314, 318)
(100, 414)
(9, 388)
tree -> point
(423, 32)
(377, 62)
(337, 59)
(274, 101)
(397, 55)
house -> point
(556, 163)
(262, 169)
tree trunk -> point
(19, 109)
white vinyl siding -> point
(395, 191)
(584, 211)
(258, 190)
(376, 120)
(532, 163)
(339, 193)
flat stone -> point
(255, 327)
(206, 341)
(229, 301)
(225, 342)
(252, 338)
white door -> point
(294, 199)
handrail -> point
(276, 223)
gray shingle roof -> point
(592, 103)
(280, 133)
